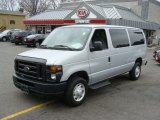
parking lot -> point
(122, 100)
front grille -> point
(30, 70)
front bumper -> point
(38, 87)
(18, 40)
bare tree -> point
(33, 7)
(8, 4)
(54, 3)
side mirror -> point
(97, 46)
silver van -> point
(74, 58)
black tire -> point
(4, 39)
(28, 45)
(134, 74)
(69, 95)
(37, 44)
(16, 43)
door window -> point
(100, 35)
(119, 38)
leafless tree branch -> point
(8, 4)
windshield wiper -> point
(63, 47)
(57, 47)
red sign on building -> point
(82, 12)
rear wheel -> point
(135, 73)
(76, 91)
(16, 43)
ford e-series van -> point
(75, 58)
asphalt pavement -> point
(122, 100)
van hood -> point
(55, 57)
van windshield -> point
(67, 38)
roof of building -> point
(7, 12)
(108, 12)
(51, 15)
(115, 15)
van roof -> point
(95, 26)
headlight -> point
(53, 76)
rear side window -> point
(119, 38)
(136, 37)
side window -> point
(100, 35)
(25, 34)
(119, 38)
(29, 33)
(136, 37)
(9, 33)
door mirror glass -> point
(97, 46)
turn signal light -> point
(53, 68)
(56, 68)
(59, 68)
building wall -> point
(157, 34)
(5, 21)
(154, 16)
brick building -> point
(11, 20)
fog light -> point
(53, 76)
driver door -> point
(99, 60)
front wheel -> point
(76, 91)
(135, 73)
(4, 39)
(37, 44)
(28, 45)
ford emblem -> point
(26, 69)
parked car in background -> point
(12, 39)
(155, 52)
(18, 37)
(12, 33)
(156, 55)
(34, 40)
(6, 35)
